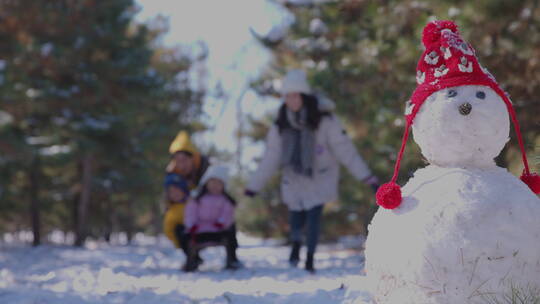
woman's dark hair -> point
(314, 115)
(204, 191)
(187, 153)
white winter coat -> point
(300, 192)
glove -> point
(375, 187)
(193, 229)
(249, 193)
(373, 182)
(193, 233)
(219, 225)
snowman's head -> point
(464, 126)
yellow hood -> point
(182, 142)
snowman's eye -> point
(480, 95)
(452, 93)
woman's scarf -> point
(298, 144)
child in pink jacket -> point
(209, 217)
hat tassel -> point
(389, 195)
(530, 179)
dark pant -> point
(228, 237)
(183, 238)
(311, 220)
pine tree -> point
(95, 99)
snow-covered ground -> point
(147, 271)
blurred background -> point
(93, 92)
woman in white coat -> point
(307, 143)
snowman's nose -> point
(465, 109)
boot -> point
(191, 262)
(309, 263)
(199, 260)
(190, 266)
(232, 262)
(294, 258)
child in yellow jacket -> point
(183, 172)
(177, 191)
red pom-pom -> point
(532, 180)
(432, 31)
(389, 196)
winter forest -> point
(248, 151)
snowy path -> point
(148, 272)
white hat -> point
(295, 82)
(216, 171)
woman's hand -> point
(250, 193)
(373, 182)
(193, 234)
(193, 229)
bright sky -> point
(234, 55)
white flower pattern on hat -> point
(465, 66)
(446, 51)
(432, 58)
(420, 77)
(465, 48)
(409, 107)
(441, 71)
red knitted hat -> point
(448, 61)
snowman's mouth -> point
(465, 109)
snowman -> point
(462, 230)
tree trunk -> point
(110, 221)
(75, 210)
(130, 222)
(240, 131)
(158, 212)
(84, 201)
(34, 200)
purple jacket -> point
(207, 211)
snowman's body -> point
(466, 229)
